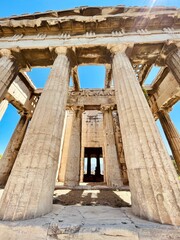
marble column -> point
(3, 107)
(98, 167)
(11, 152)
(88, 165)
(154, 184)
(173, 62)
(119, 147)
(64, 147)
(73, 153)
(8, 71)
(172, 135)
(30, 187)
(113, 172)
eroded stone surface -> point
(88, 222)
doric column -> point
(10, 154)
(113, 172)
(64, 147)
(153, 180)
(119, 146)
(98, 168)
(8, 71)
(3, 107)
(72, 154)
(173, 62)
(29, 190)
(89, 165)
(171, 134)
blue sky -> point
(88, 76)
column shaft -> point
(11, 152)
(171, 134)
(173, 62)
(113, 172)
(153, 181)
(29, 190)
(8, 71)
(3, 107)
(72, 155)
(89, 166)
(98, 168)
(65, 146)
(119, 147)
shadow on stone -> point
(90, 198)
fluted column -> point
(171, 134)
(119, 146)
(29, 189)
(173, 62)
(72, 153)
(3, 107)
(8, 71)
(113, 171)
(10, 154)
(153, 180)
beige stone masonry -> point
(72, 154)
(70, 160)
(3, 107)
(11, 152)
(29, 190)
(171, 134)
(8, 71)
(113, 171)
(119, 147)
(173, 62)
(153, 180)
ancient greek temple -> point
(62, 127)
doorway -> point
(93, 165)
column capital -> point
(107, 107)
(169, 48)
(5, 52)
(61, 50)
(118, 48)
(75, 108)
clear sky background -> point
(89, 76)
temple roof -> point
(95, 19)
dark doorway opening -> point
(93, 165)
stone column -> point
(73, 153)
(8, 71)
(89, 165)
(11, 152)
(153, 180)
(119, 146)
(3, 107)
(173, 62)
(98, 168)
(171, 134)
(113, 172)
(30, 187)
(65, 147)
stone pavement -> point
(87, 223)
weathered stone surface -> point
(8, 71)
(113, 171)
(173, 62)
(153, 181)
(36, 164)
(70, 168)
(11, 152)
(171, 134)
(88, 222)
(3, 107)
